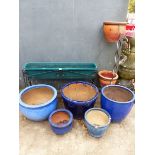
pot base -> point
(95, 136)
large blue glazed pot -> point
(96, 131)
(60, 130)
(38, 112)
(78, 108)
(117, 110)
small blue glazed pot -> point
(66, 127)
(38, 112)
(117, 110)
(78, 108)
(96, 131)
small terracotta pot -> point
(107, 77)
(113, 30)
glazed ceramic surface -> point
(66, 127)
(117, 110)
(78, 108)
(38, 112)
(94, 130)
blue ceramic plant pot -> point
(38, 112)
(78, 108)
(96, 131)
(66, 127)
(117, 110)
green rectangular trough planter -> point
(59, 71)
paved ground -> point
(36, 138)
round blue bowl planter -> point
(38, 112)
(94, 131)
(117, 110)
(66, 127)
(78, 108)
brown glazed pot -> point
(113, 30)
(106, 77)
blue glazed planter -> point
(38, 112)
(78, 108)
(117, 110)
(94, 131)
(66, 127)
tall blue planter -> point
(38, 112)
(117, 110)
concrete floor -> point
(36, 138)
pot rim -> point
(99, 109)
(65, 124)
(116, 102)
(80, 102)
(107, 71)
(114, 23)
(39, 105)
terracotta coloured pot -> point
(106, 77)
(113, 30)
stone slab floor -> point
(36, 138)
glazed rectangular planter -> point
(61, 70)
